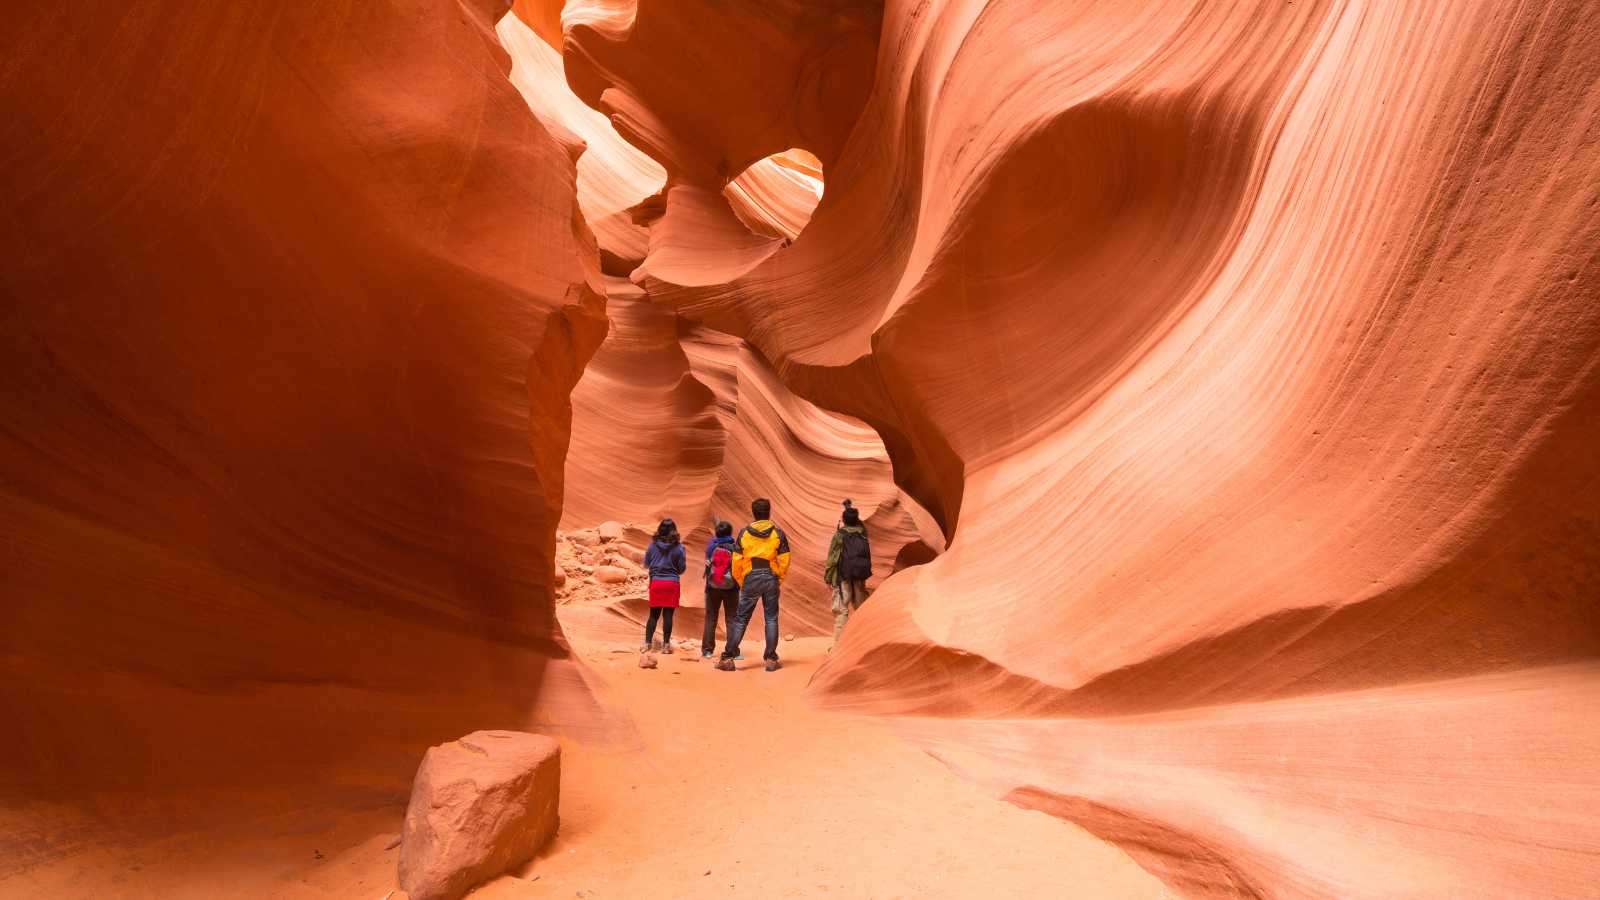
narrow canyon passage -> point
(1218, 382)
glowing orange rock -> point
(1249, 360)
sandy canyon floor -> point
(736, 787)
(712, 784)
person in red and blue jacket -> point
(722, 591)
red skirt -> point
(664, 593)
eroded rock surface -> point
(1248, 358)
(676, 420)
(298, 293)
(673, 420)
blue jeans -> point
(761, 584)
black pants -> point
(725, 599)
(763, 585)
(656, 612)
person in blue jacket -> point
(666, 561)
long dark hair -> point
(724, 529)
(667, 532)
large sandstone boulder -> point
(611, 575)
(480, 806)
(610, 531)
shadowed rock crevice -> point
(1184, 862)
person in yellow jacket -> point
(760, 560)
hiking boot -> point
(667, 648)
(725, 665)
(705, 654)
(646, 647)
(773, 665)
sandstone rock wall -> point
(1247, 356)
(1250, 358)
(672, 419)
(295, 297)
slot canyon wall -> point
(674, 419)
(671, 419)
(1233, 372)
(1248, 358)
(295, 296)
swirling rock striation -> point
(1250, 358)
(615, 180)
(674, 420)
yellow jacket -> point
(761, 540)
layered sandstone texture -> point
(1248, 356)
(295, 298)
(672, 420)
(675, 420)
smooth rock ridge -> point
(480, 806)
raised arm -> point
(780, 565)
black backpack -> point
(855, 557)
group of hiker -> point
(749, 567)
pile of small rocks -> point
(599, 564)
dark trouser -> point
(656, 612)
(725, 599)
(761, 584)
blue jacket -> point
(665, 561)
